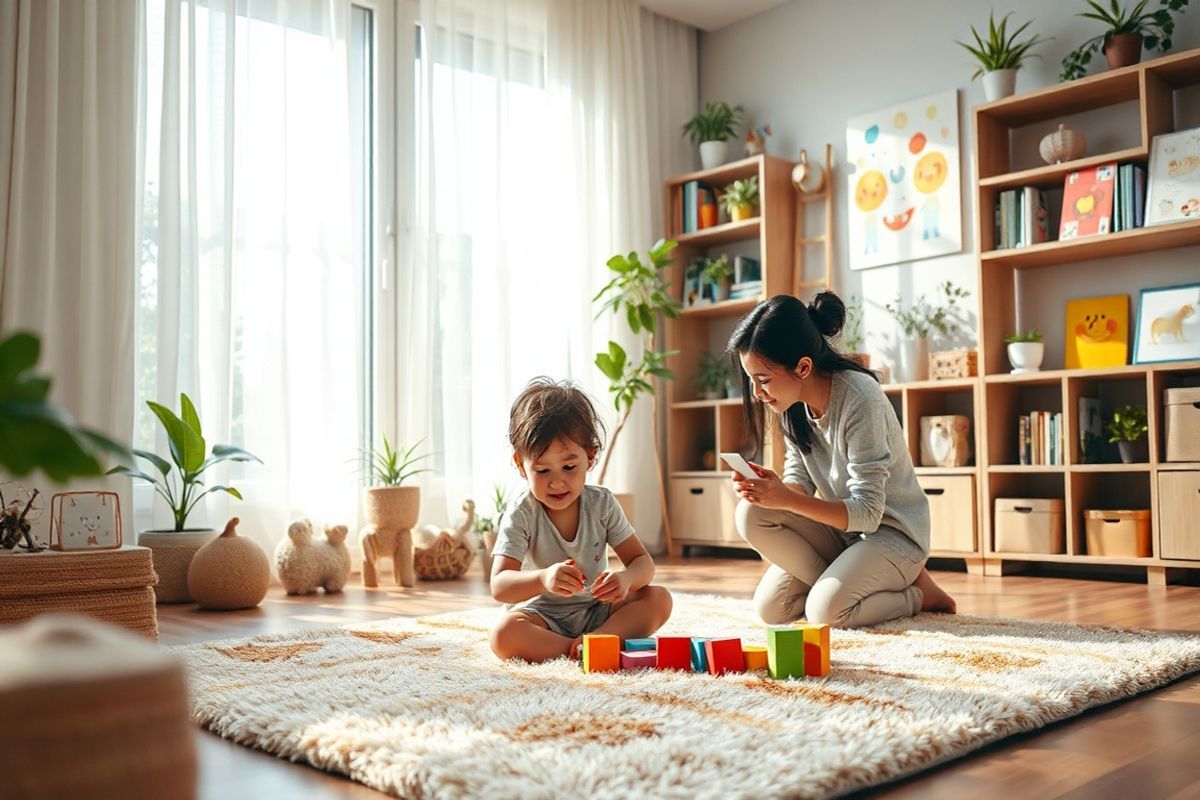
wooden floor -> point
(1148, 747)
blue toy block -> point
(699, 655)
(634, 645)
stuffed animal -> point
(305, 565)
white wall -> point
(807, 66)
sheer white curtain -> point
(67, 199)
(249, 294)
(540, 132)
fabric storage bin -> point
(1029, 525)
(1118, 534)
(702, 510)
(951, 511)
(1178, 510)
(1183, 424)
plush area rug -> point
(421, 708)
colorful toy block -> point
(674, 652)
(816, 648)
(755, 656)
(699, 654)
(601, 652)
(639, 644)
(785, 652)
(724, 655)
(639, 659)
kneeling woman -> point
(854, 555)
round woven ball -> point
(230, 572)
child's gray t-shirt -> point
(528, 535)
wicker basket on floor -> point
(447, 558)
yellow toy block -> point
(601, 652)
(816, 649)
(756, 657)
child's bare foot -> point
(936, 598)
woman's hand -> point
(563, 579)
(767, 490)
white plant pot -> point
(712, 154)
(999, 83)
(1026, 356)
(912, 363)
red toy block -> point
(724, 655)
(638, 659)
(674, 652)
(601, 652)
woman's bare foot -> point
(936, 598)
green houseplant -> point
(740, 198)
(1127, 429)
(1127, 31)
(712, 128)
(1025, 351)
(1000, 55)
(391, 507)
(921, 320)
(487, 527)
(716, 274)
(711, 376)
(639, 293)
(852, 337)
(179, 482)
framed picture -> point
(1174, 191)
(746, 270)
(85, 521)
(1168, 327)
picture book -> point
(1088, 202)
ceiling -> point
(710, 15)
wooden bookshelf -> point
(1003, 397)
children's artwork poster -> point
(903, 194)
(1174, 191)
(85, 521)
(1097, 332)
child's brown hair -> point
(547, 410)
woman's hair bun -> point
(828, 313)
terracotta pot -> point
(1123, 50)
(393, 506)
(172, 553)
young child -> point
(559, 529)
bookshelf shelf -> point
(722, 234)
(1143, 467)
(1052, 176)
(1026, 469)
(722, 309)
(735, 403)
(968, 470)
(1091, 248)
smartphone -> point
(739, 464)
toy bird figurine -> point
(756, 140)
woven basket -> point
(444, 560)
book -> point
(1173, 183)
(1091, 431)
(1088, 202)
(1139, 196)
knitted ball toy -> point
(230, 572)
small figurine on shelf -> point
(756, 140)
(16, 523)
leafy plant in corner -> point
(35, 433)
(1128, 424)
(712, 373)
(1154, 27)
(491, 522)
(1000, 50)
(391, 466)
(715, 123)
(638, 291)
(716, 269)
(184, 490)
(852, 337)
(1019, 337)
(740, 193)
(923, 318)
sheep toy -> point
(304, 565)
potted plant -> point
(852, 337)
(712, 128)
(711, 376)
(920, 321)
(639, 293)
(487, 526)
(716, 274)
(1127, 429)
(740, 198)
(1025, 351)
(390, 505)
(1000, 56)
(179, 483)
(1127, 31)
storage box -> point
(1183, 424)
(947, 364)
(1118, 534)
(1029, 525)
(951, 511)
(1178, 510)
(702, 510)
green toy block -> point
(785, 652)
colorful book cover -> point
(1088, 202)
(1173, 194)
(1097, 332)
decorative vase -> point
(1123, 50)
(230, 572)
(1065, 144)
(708, 215)
(1136, 452)
(712, 154)
(741, 212)
(391, 513)
(1026, 356)
(913, 361)
(999, 83)
(172, 553)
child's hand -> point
(611, 587)
(767, 490)
(563, 579)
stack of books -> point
(1041, 438)
(1021, 218)
(692, 197)
(740, 291)
(1129, 200)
